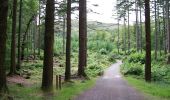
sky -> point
(105, 10)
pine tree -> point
(47, 80)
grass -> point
(158, 90)
(68, 91)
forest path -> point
(111, 86)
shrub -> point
(136, 58)
(103, 51)
(112, 58)
(132, 69)
(94, 69)
(160, 72)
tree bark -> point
(156, 31)
(168, 31)
(64, 33)
(82, 38)
(164, 28)
(3, 37)
(13, 42)
(19, 36)
(137, 28)
(68, 42)
(141, 28)
(128, 30)
(47, 79)
(118, 47)
(124, 42)
(148, 42)
(39, 28)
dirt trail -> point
(112, 87)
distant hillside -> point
(94, 25)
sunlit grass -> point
(68, 91)
(156, 89)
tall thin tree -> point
(13, 42)
(47, 79)
(19, 36)
(82, 38)
(156, 30)
(68, 42)
(3, 37)
(39, 28)
(148, 41)
(168, 29)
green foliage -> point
(70, 90)
(161, 72)
(133, 64)
(132, 69)
(136, 58)
(94, 70)
(103, 51)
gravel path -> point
(111, 87)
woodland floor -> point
(17, 79)
(111, 86)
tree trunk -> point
(128, 31)
(82, 38)
(124, 42)
(47, 79)
(168, 31)
(156, 31)
(141, 28)
(3, 37)
(164, 28)
(19, 36)
(148, 42)
(13, 42)
(118, 38)
(137, 28)
(64, 25)
(39, 28)
(68, 42)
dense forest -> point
(49, 50)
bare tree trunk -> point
(137, 28)
(124, 43)
(68, 42)
(118, 46)
(82, 38)
(168, 30)
(39, 28)
(47, 79)
(13, 42)
(148, 42)
(64, 34)
(128, 30)
(19, 36)
(164, 28)
(156, 31)
(3, 37)
(141, 28)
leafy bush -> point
(133, 65)
(160, 72)
(94, 69)
(103, 51)
(132, 69)
(136, 58)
